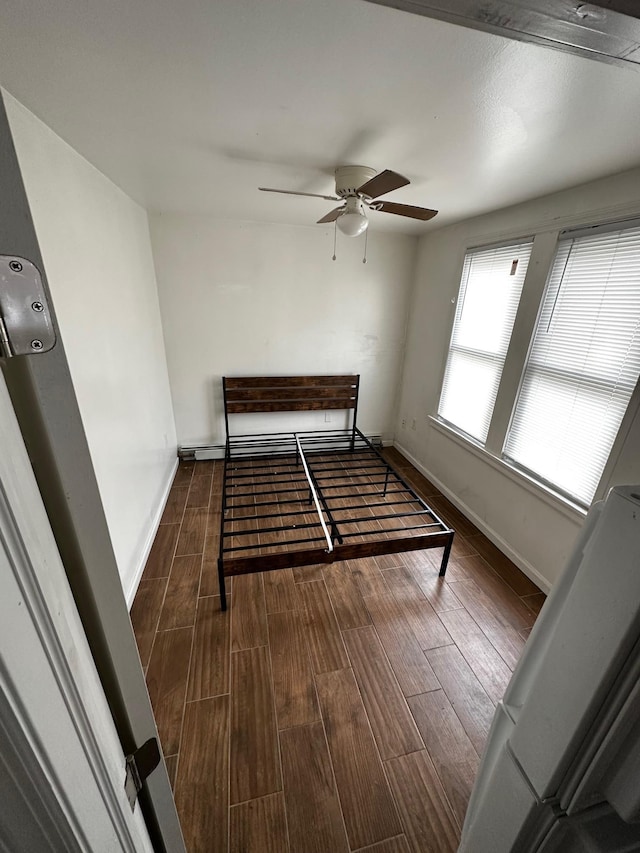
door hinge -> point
(25, 318)
(138, 766)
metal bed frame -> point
(294, 499)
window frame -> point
(545, 245)
(496, 244)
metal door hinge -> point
(25, 318)
(138, 766)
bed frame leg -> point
(445, 557)
(223, 588)
(386, 483)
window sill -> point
(571, 510)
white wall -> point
(97, 253)
(535, 529)
(249, 298)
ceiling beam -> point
(624, 7)
(607, 30)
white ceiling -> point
(190, 105)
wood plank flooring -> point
(332, 708)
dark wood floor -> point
(334, 708)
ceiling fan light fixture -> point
(354, 220)
(353, 224)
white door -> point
(73, 698)
(61, 763)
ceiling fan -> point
(359, 187)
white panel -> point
(534, 655)
(502, 804)
(610, 770)
(595, 631)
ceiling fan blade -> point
(292, 192)
(331, 217)
(383, 183)
(409, 210)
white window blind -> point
(583, 364)
(490, 290)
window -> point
(583, 363)
(490, 288)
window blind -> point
(490, 289)
(583, 364)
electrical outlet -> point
(327, 417)
(404, 423)
(413, 423)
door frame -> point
(46, 408)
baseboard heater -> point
(198, 452)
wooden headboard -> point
(244, 394)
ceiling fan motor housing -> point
(349, 178)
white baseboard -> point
(524, 565)
(130, 594)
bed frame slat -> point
(306, 393)
(288, 405)
(232, 382)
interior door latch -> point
(138, 766)
(25, 318)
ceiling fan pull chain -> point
(366, 238)
(335, 237)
